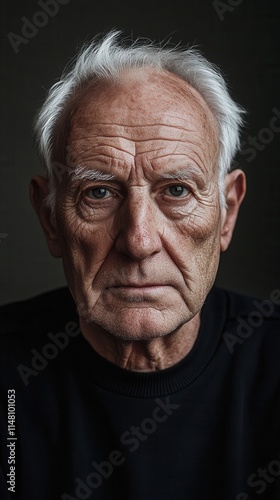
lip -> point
(132, 290)
(137, 285)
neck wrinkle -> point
(144, 356)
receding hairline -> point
(172, 83)
(99, 89)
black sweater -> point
(207, 428)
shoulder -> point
(236, 306)
(28, 322)
(267, 308)
(240, 305)
(252, 323)
(39, 311)
(35, 331)
(254, 312)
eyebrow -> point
(84, 173)
(185, 173)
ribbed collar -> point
(163, 382)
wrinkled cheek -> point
(207, 256)
(82, 251)
(195, 249)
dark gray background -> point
(245, 44)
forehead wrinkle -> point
(96, 130)
(139, 125)
(101, 154)
(190, 159)
(88, 144)
(133, 101)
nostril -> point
(138, 242)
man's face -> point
(139, 223)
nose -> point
(139, 234)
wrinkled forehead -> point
(142, 95)
(143, 105)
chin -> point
(141, 324)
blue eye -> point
(98, 193)
(177, 190)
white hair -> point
(107, 60)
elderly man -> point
(145, 381)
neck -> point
(146, 356)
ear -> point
(39, 189)
(235, 189)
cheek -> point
(84, 246)
(194, 243)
